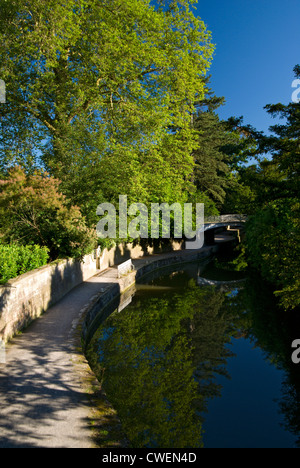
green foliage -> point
(18, 259)
(272, 189)
(209, 205)
(238, 264)
(98, 88)
(33, 211)
(242, 198)
(102, 95)
(273, 245)
(220, 150)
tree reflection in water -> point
(160, 358)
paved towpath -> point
(43, 401)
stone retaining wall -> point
(123, 252)
(25, 298)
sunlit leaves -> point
(34, 211)
(89, 81)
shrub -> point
(34, 211)
(273, 248)
(18, 259)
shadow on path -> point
(43, 402)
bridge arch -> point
(230, 222)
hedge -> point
(17, 259)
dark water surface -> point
(201, 357)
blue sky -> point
(257, 47)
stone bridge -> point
(230, 222)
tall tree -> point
(284, 144)
(220, 150)
(95, 85)
(273, 230)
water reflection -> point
(162, 358)
(272, 331)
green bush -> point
(18, 259)
(273, 248)
(34, 211)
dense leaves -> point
(272, 189)
(218, 154)
(33, 211)
(16, 260)
(93, 89)
(273, 243)
(111, 98)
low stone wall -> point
(25, 298)
(123, 252)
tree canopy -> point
(94, 88)
(272, 186)
(112, 97)
(34, 211)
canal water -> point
(201, 357)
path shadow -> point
(43, 402)
(38, 392)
